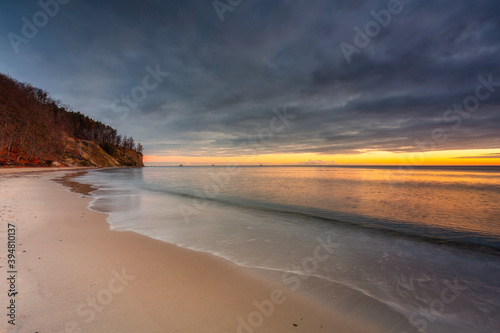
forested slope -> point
(36, 130)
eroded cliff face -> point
(80, 153)
(36, 130)
(88, 153)
(128, 157)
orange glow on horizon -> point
(447, 157)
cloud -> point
(227, 77)
(318, 162)
(492, 155)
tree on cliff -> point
(34, 127)
(139, 148)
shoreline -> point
(9, 171)
(76, 275)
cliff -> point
(88, 153)
(36, 130)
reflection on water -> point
(447, 199)
(392, 282)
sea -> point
(402, 249)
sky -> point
(276, 82)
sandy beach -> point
(75, 275)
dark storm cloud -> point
(225, 78)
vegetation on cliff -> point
(36, 130)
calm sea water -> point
(411, 251)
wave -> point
(467, 239)
(394, 268)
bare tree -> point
(139, 148)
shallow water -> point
(407, 252)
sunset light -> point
(447, 157)
(244, 166)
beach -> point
(250, 166)
(73, 274)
